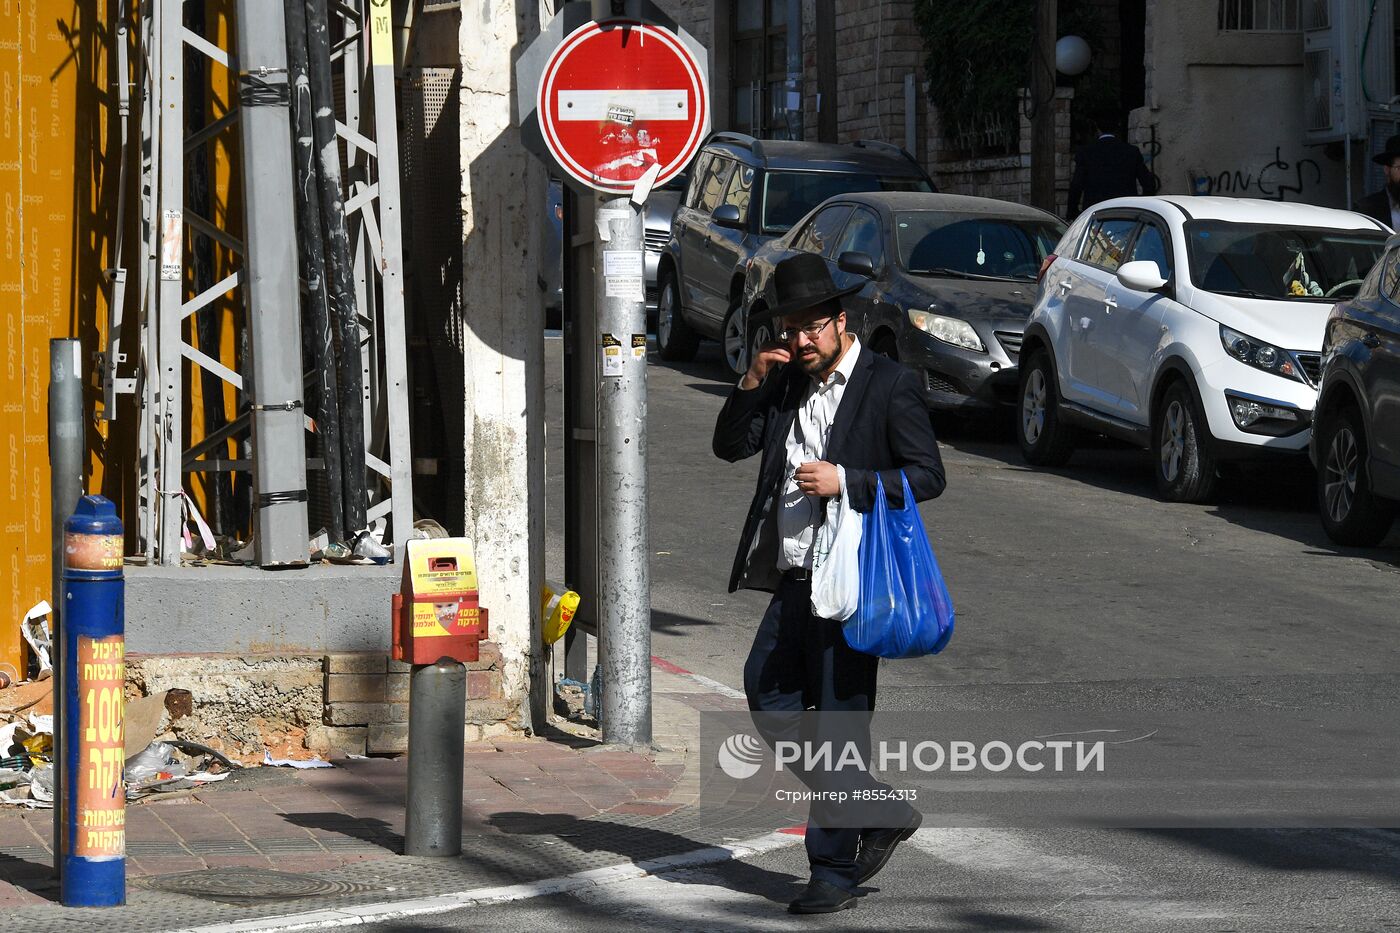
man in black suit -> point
(1384, 205)
(1107, 168)
(824, 411)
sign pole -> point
(624, 573)
(614, 95)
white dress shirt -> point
(799, 514)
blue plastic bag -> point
(905, 610)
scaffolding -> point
(190, 286)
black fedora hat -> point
(1390, 153)
(800, 281)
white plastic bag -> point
(836, 558)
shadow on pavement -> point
(34, 877)
(366, 829)
(671, 623)
(639, 844)
(1374, 853)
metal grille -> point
(1260, 15)
(656, 240)
(1010, 342)
(1317, 14)
(1311, 364)
(433, 177)
(937, 382)
(1317, 108)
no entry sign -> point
(614, 98)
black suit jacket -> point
(881, 425)
(1375, 206)
(1107, 168)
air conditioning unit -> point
(1343, 83)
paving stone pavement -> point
(533, 808)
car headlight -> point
(1260, 355)
(947, 329)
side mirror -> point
(727, 215)
(858, 263)
(1141, 276)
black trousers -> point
(800, 662)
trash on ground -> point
(141, 721)
(316, 762)
(34, 627)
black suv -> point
(744, 192)
(1356, 427)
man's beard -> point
(819, 363)
(1393, 188)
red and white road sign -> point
(616, 98)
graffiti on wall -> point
(1279, 180)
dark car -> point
(950, 281)
(1356, 425)
(744, 192)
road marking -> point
(707, 682)
(442, 903)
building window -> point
(759, 69)
(1260, 15)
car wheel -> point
(885, 345)
(1184, 464)
(674, 338)
(735, 340)
(760, 334)
(1351, 512)
(1044, 440)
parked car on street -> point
(949, 283)
(1356, 431)
(744, 192)
(660, 208)
(1189, 326)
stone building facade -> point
(859, 75)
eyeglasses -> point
(812, 331)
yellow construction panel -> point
(56, 205)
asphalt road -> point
(1074, 587)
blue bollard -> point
(91, 804)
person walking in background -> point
(1107, 168)
(827, 414)
(1384, 205)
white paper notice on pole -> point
(630, 287)
(639, 348)
(603, 220)
(614, 360)
(625, 262)
(170, 246)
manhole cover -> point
(252, 885)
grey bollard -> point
(437, 697)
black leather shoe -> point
(822, 897)
(877, 845)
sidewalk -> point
(534, 809)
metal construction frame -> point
(367, 128)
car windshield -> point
(1295, 263)
(788, 196)
(957, 245)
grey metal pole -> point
(624, 575)
(66, 444)
(437, 710)
(279, 445)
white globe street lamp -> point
(1072, 56)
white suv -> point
(1189, 326)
